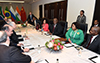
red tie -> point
(53, 29)
(89, 42)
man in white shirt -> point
(93, 40)
(95, 24)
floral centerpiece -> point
(55, 45)
(24, 24)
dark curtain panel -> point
(97, 11)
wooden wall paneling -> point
(56, 10)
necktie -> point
(89, 42)
(53, 29)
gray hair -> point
(3, 37)
(11, 24)
(5, 28)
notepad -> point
(42, 61)
(67, 45)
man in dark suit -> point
(10, 54)
(30, 18)
(96, 24)
(13, 37)
(55, 28)
(36, 21)
(93, 40)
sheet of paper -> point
(97, 60)
(42, 61)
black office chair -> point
(84, 28)
(65, 26)
(2, 23)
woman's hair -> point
(77, 25)
(82, 11)
(45, 19)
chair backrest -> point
(64, 24)
(65, 28)
(1, 23)
(84, 28)
(51, 21)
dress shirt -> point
(31, 17)
(35, 22)
(4, 44)
(55, 25)
(96, 25)
(93, 38)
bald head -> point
(8, 29)
(95, 30)
(55, 20)
(12, 24)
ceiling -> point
(19, 1)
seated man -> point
(55, 28)
(9, 30)
(9, 54)
(93, 40)
(96, 24)
(36, 21)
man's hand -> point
(49, 33)
(26, 22)
(31, 20)
(26, 38)
(26, 50)
(31, 62)
(19, 44)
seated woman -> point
(45, 25)
(74, 34)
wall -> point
(74, 7)
(27, 7)
(35, 6)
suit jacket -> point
(12, 55)
(29, 19)
(95, 45)
(37, 22)
(57, 31)
(14, 39)
(82, 20)
(2, 23)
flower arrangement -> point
(55, 45)
(24, 24)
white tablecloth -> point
(67, 55)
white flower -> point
(50, 44)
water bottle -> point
(39, 49)
(42, 32)
(57, 61)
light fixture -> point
(13, 1)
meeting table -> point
(66, 55)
